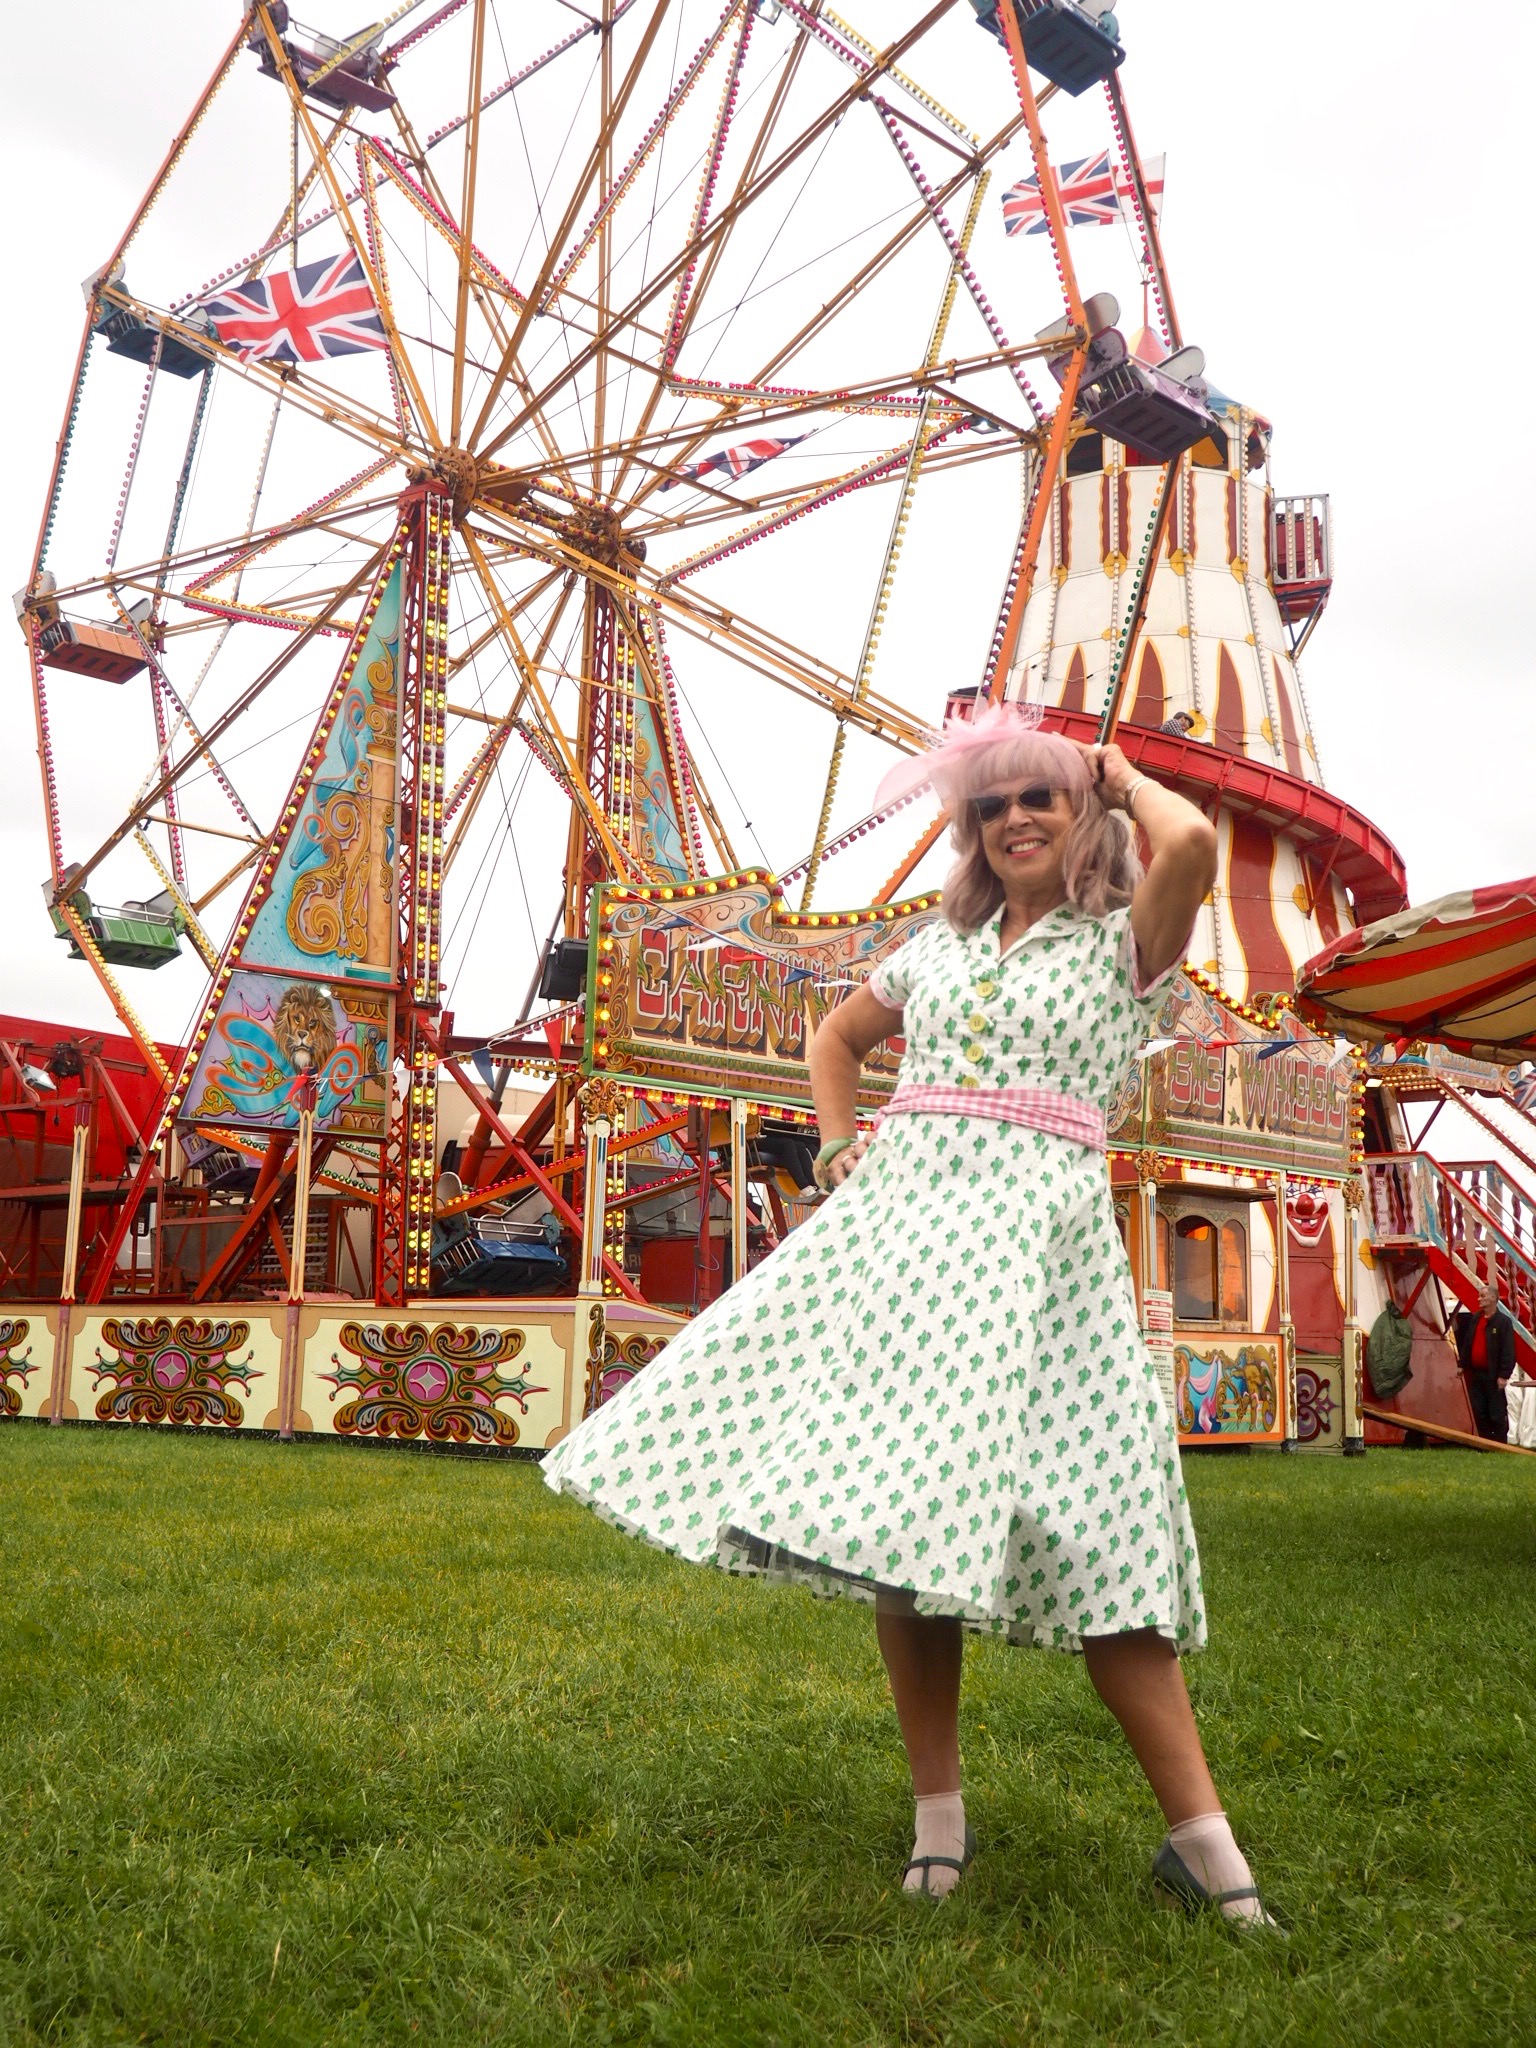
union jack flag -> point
(300, 316)
(1092, 190)
(736, 462)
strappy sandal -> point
(927, 1863)
(1175, 1878)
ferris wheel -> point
(514, 449)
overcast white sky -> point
(1347, 229)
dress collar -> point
(991, 933)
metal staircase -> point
(1471, 1220)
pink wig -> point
(1000, 751)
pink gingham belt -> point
(1038, 1109)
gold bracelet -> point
(1136, 783)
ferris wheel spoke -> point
(476, 778)
(701, 210)
(615, 105)
(957, 245)
(616, 190)
(852, 49)
(685, 258)
(592, 811)
(337, 409)
(372, 228)
(530, 70)
(467, 220)
(940, 459)
(163, 691)
(924, 437)
(174, 154)
(883, 257)
(780, 661)
(253, 545)
(811, 501)
(487, 282)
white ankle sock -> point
(1207, 1846)
(940, 1832)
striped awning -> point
(1461, 970)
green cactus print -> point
(937, 1383)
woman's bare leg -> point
(922, 1659)
(1138, 1677)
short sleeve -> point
(1147, 995)
(891, 982)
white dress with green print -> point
(938, 1383)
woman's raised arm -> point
(1181, 870)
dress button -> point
(977, 1021)
(969, 1081)
(975, 1052)
(986, 989)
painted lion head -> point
(305, 1028)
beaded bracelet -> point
(1137, 783)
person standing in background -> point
(1485, 1351)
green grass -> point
(302, 1744)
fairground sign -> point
(716, 989)
(1225, 1087)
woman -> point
(934, 1395)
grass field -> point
(306, 1745)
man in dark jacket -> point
(1485, 1350)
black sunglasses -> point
(1038, 797)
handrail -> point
(1504, 1197)
(1424, 1204)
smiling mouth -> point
(1017, 848)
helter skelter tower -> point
(1235, 585)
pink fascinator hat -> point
(1000, 747)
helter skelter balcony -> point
(1301, 563)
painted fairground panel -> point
(191, 1368)
(330, 909)
(621, 1340)
(1228, 1388)
(270, 1035)
(1319, 1403)
(26, 1360)
(714, 988)
(505, 1380)
(1217, 1084)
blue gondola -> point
(1159, 409)
(137, 335)
(493, 1255)
(1073, 43)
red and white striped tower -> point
(1239, 581)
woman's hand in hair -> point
(1109, 771)
(1112, 773)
